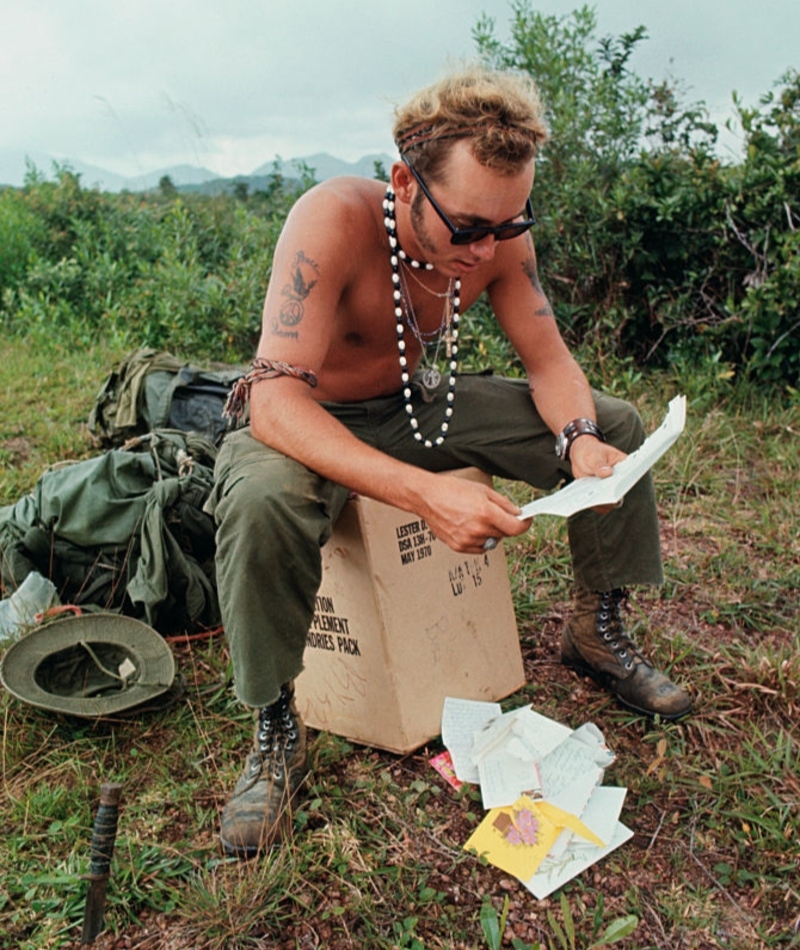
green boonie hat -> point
(95, 664)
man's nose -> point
(485, 248)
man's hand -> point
(590, 456)
(463, 513)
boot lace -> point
(277, 733)
(611, 628)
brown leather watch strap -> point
(571, 431)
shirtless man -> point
(368, 281)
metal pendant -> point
(431, 377)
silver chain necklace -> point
(431, 377)
(426, 337)
(409, 271)
(448, 330)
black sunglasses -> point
(500, 232)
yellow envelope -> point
(517, 838)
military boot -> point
(259, 811)
(595, 643)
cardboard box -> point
(402, 622)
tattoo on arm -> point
(305, 273)
(529, 267)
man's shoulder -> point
(345, 194)
(341, 214)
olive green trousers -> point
(273, 514)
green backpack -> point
(124, 531)
(151, 390)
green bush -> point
(653, 251)
(651, 248)
(21, 232)
(182, 272)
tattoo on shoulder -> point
(529, 267)
(304, 276)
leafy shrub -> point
(183, 272)
(654, 252)
(651, 247)
(21, 232)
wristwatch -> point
(571, 431)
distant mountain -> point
(178, 175)
(325, 166)
(13, 168)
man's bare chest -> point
(370, 309)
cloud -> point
(232, 83)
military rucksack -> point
(152, 390)
(124, 531)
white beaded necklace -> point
(449, 329)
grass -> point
(376, 857)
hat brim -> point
(148, 650)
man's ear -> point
(402, 182)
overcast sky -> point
(229, 84)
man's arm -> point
(314, 264)
(559, 387)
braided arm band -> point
(239, 395)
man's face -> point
(470, 195)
